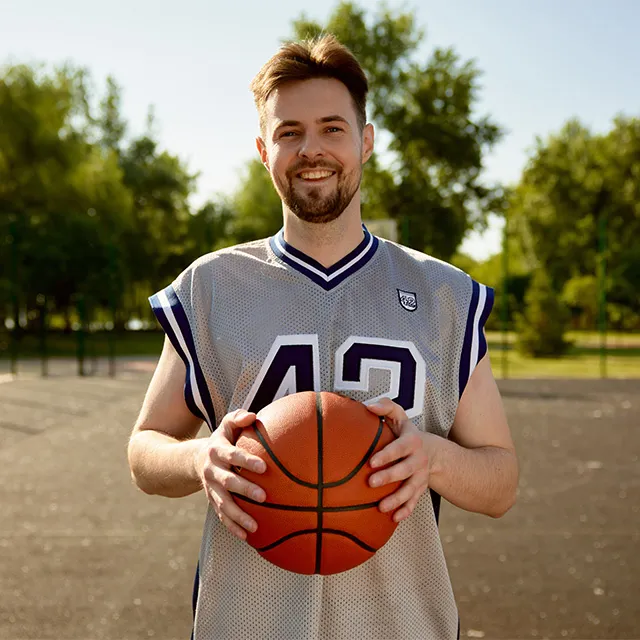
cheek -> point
(279, 161)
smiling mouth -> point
(315, 174)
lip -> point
(315, 180)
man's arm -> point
(476, 468)
(167, 459)
(163, 451)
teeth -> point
(315, 175)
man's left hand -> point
(411, 453)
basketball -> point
(320, 514)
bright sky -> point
(544, 61)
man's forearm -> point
(483, 480)
(162, 465)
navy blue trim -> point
(465, 358)
(327, 282)
(185, 330)
(488, 305)
(194, 599)
(435, 501)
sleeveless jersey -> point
(260, 320)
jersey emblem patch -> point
(408, 300)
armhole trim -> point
(171, 315)
(474, 346)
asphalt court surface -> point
(85, 556)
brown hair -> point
(322, 57)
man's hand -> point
(215, 466)
(409, 452)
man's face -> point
(313, 147)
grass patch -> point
(581, 361)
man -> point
(324, 305)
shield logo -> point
(408, 300)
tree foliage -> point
(542, 325)
(576, 185)
(82, 211)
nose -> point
(311, 147)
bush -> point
(542, 325)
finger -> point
(234, 422)
(232, 456)
(402, 447)
(234, 483)
(237, 531)
(397, 498)
(407, 509)
(229, 512)
(400, 471)
(387, 408)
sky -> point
(543, 62)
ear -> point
(367, 142)
(262, 150)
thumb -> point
(234, 422)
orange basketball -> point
(320, 514)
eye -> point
(333, 129)
(288, 134)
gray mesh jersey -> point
(260, 320)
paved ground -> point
(85, 556)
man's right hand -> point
(215, 463)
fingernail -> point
(374, 462)
(257, 495)
(258, 467)
(249, 525)
(375, 482)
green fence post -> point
(44, 359)
(505, 299)
(111, 337)
(602, 293)
(13, 283)
(80, 334)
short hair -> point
(322, 57)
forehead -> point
(307, 101)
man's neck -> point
(326, 243)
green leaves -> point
(430, 179)
(91, 212)
(573, 180)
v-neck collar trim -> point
(331, 277)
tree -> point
(433, 182)
(160, 185)
(256, 205)
(208, 229)
(61, 196)
(575, 184)
(541, 327)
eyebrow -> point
(323, 120)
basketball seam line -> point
(279, 464)
(317, 485)
(320, 427)
(292, 507)
(362, 462)
(336, 532)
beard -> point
(318, 205)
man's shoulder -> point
(227, 264)
(423, 262)
(255, 249)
